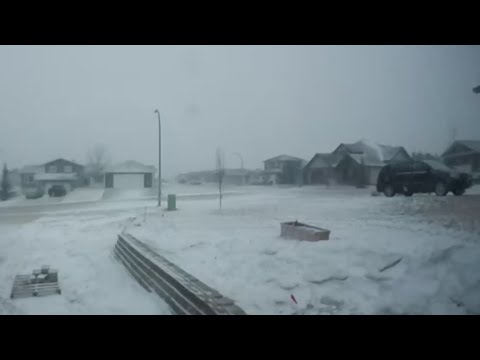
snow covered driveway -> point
(80, 245)
(238, 251)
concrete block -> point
(301, 231)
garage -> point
(128, 181)
(129, 175)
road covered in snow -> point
(398, 255)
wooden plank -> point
(23, 287)
(168, 279)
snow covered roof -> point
(284, 158)
(320, 160)
(472, 144)
(31, 169)
(372, 154)
(62, 159)
(55, 176)
(130, 166)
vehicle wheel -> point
(389, 191)
(458, 192)
(441, 189)
(408, 193)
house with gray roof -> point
(59, 171)
(348, 162)
(284, 169)
(464, 155)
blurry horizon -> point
(258, 101)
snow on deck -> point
(238, 251)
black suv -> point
(57, 190)
(425, 176)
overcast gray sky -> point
(260, 101)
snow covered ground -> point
(80, 246)
(75, 196)
(238, 251)
(83, 195)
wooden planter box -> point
(301, 231)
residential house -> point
(27, 175)
(350, 163)
(284, 169)
(59, 171)
(464, 155)
(320, 169)
(231, 176)
(237, 176)
(129, 175)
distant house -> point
(284, 169)
(320, 169)
(231, 177)
(464, 155)
(129, 175)
(237, 176)
(350, 162)
(59, 171)
(27, 174)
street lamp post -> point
(159, 158)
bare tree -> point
(220, 169)
(98, 160)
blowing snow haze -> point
(259, 101)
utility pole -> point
(159, 158)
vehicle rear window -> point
(437, 165)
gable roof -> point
(284, 158)
(68, 161)
(373, 154)
(473, 145)
(321, 160)
(131, 166)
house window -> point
(52, 169)
(67, 169)
(29, 179)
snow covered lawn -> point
(238, 251)
(80, 246)
(83, 195)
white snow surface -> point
(238, 251)
(83, 195)
(81, 248)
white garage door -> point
(128, 181)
